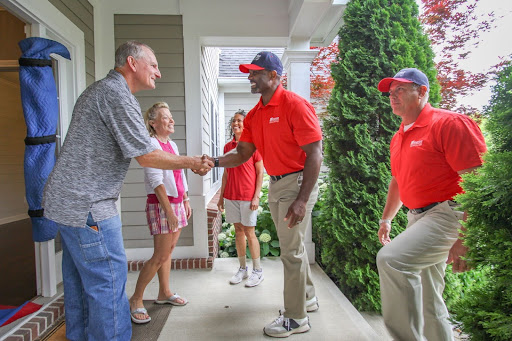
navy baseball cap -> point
(264, 61)
(410, 75)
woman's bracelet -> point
(186, 199)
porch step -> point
(38, 324)
(218, 310)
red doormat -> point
(9, 313)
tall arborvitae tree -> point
(379, 38)
(486, 311)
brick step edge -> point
(40, 322)
(177, 264)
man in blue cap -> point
(429, 152)
(285, 129)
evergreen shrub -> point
(485, 312)
(377, 40)
(265, 231)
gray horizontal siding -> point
(164, 34)
(81, 13)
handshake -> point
(202, 164)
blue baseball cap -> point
(264, 61)
(410, 75)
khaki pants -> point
(411, 271)
(298, 286)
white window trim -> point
(46, 21)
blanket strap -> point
(35, 213)
(30, 141)
(34, 62)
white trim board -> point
(45, 21)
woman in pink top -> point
(240, 196)
(167, 211)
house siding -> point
(164, 34)
(212, 123)
(81, 13)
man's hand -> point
(457, 251)
(211, 158)
(296, 213)
(384, 230)
(204, 165)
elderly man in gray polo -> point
(105, 133)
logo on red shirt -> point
(416, 143)
(273, 120)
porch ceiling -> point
(316, 20)
(279, 23)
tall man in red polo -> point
(285, 129)
(429, 152)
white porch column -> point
(297, 64)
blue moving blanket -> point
(41, 111)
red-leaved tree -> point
(454, 30)
(320, 77)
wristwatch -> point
(216, 162)
(387, 221)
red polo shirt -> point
(426, 158)
(280, 128)
(241, 182)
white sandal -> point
(173, 300)
(138, 311)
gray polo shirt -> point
(106, 131)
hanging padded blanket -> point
(41, 111)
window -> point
(58, 140)
(214, 136)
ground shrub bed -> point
(265, 231)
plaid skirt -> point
(157, 221)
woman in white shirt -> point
(167, 211)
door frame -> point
(45, 21)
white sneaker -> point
(255, 279)
(312, 305)
(284, 327)
(239, 276)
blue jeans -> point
(94, 270)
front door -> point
(17, 267)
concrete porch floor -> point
(220, 311)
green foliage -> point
(265, 231)
(379, 38)
(458, 285)
(226, 237)
(486, 311)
